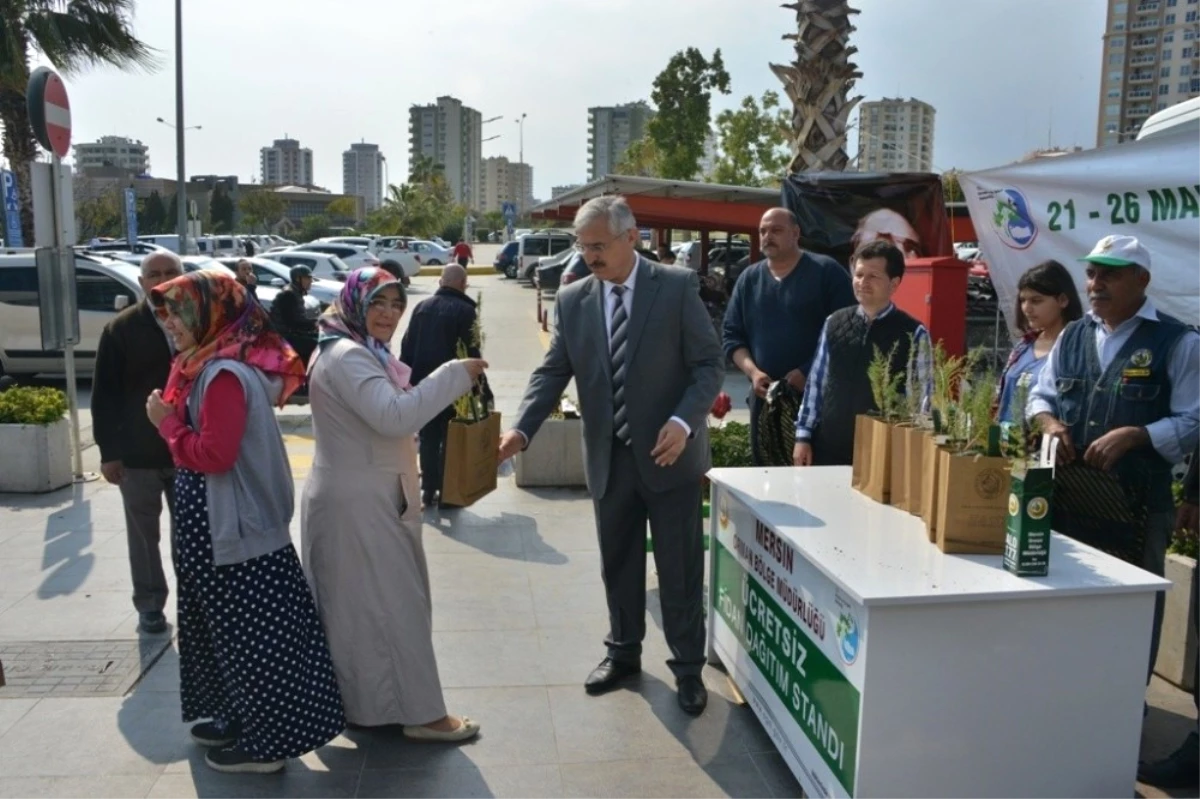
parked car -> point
(393, 253)
(506, 258)
(272, 274)
(352, 256)
(538, 245)
(431, 253)
(323, 265)
(558, 272)
(103, 288)
(266, 294)
(548, 274)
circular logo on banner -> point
(847, 636)
(1013, 505)
(989, 483)
(1037, 508)
(1012, 220)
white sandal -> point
(466, 730)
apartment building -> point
(611, 129)
(895, 135)
(285, 162)
(362, 174)
(452, 135)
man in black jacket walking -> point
(132, 360)
(438, 325)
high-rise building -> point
(451, 134)
(558, 191)
(362, 174)
(504, 181)
(109, 152)
(895, 135)
(286, 163)
(611, 129)
(1151, 61)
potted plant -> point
(555, 455)
(973, 477)
(903, 484)
(33, 422)
(470, 471)
(872, 464)
(1176, 661)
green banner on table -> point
(816, 693)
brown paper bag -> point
(858, 464)
(899, 466)
(972, 503)
(914, 452)
(877, 449)
(929, 485)
(470, 471)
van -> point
(103, 286)
(1176, 119)
(533, 246)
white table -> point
(882, 667)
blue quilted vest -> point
(1133, 391)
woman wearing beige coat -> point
(361, 516)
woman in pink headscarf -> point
(361, 516)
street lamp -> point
(172, 127)
(521, 169)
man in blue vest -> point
(1120, 392)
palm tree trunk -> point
(20, 148)
(818, 82)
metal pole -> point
(521, 168)
(60, 249)
(181, 221)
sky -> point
(1006, 76)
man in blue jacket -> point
(438, 325)
(776, 313)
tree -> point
(818, 83)
(153, 216)
(424, 169)
(220, 210)
(342, 209)
(951, 189)
(683, 95)
(71, 36)
(753, 143)
(100, 216)
(261, 208)
(313, 227)
(641, 159)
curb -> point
(475, 270)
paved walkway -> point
(518, 622)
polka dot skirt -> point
(251, 647)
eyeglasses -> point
(595, 248)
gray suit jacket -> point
(675, 367)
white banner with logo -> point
(1058, 208)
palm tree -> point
(426, 170)
(818, 82)
(72, 35)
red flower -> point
(721, 405)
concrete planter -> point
(1177, 651)
(42, 457)
(554, 457)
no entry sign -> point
(49, 111)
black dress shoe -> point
(610, 672)
(152, 622)
(693, 696)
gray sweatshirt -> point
(250, 506)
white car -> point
(353, 256)
(430, 253)
(266, 294)
(324, 266)
(271, 273)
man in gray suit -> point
(648, 365)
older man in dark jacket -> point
(132, 360)
(437, 327)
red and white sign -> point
(49, 111)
